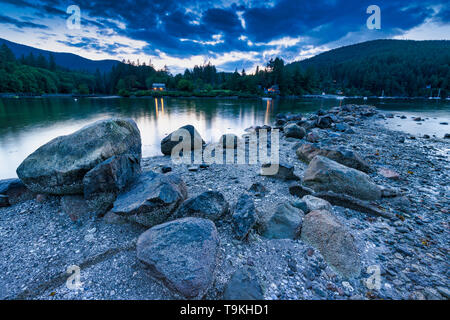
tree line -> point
(414, 70)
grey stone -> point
(244, 216)
(281, 171)
(294, 131)
(151, 199)
(104, 182)
(335, 242)
(182, 253)
(209, 205)
(258, 189)
(299, 190)
(324, 122)
(314, 203)
(187, 135)
(15, 190)
(349, 158)
(244, 285)
(324, 174)
(4, 201)
(59, 166)
(285, 223)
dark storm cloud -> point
(20, 23)
(182, 28)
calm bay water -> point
(26, 124)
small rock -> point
(258, 189)
(279, 171)
(389, 174)
(15, 190)
(294, 131)
(209, 205)
(313, 203)
(188, 138)
(335, 242)
(4, 201)
(285, 223)
(244, 216)
(324, 174)
(244, 285)
(299, 190)
(166, 169)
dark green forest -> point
(395, 67)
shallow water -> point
(26, 124)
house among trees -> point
(159, 87)
(275, 89)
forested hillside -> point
(399, 67)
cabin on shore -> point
(159, 87)
(275, 89)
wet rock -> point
(324, 122)
(389, 174)
(324, 174)
(244, 285)
(244, 216)
(294, 131)
(151, 199)
(314, 203)
(104, 182)
(187, 135)
(346, 201)
(334, 241)
(15, 191)
(59, 166)
(447, 136)
(285, 223)
(306, 152)
(182, 253)
(74, 206)
(166, 169)
(285, 171)
(312, 137)
(209, 205)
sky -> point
(239, 34)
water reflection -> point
(26, 124)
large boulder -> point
(244, 285)
(294, 131)
(244, 216)
(104, 182)
(334, 241)
(152, 199)
(15, 191)
(59, 166)
(324, 174)
(306, 152)
(285, 223)
(182, 253)
(209, 205)
(187, 135)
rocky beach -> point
(356, 211)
